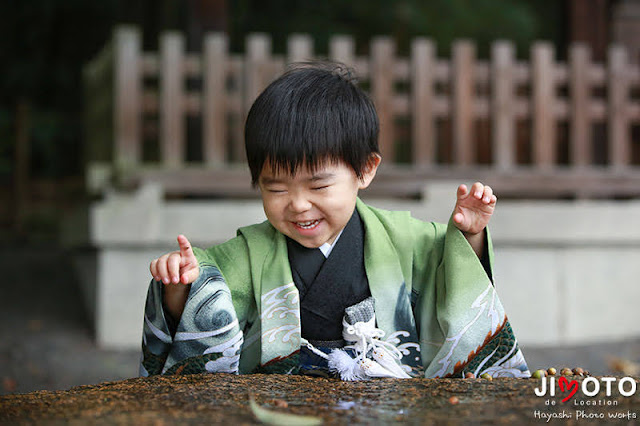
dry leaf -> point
(284, 419)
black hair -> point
(314, 113)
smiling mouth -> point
(308, 225)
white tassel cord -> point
(339, 362)
(348, 368)
(366, 339)
(383, 358)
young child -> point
(328, 284)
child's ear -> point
(370, 170)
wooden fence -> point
(537, 128)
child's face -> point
(312, 207)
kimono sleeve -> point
(208, 336)
(462, 323)
(428, 250)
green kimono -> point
(433, 300)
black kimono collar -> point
(328, 286)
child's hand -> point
(474, 208)
(178, 266)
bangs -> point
(307, 118)
(291, 168)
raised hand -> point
(474, 208)
(178, 266)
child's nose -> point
(299, 203)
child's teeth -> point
(309, 224)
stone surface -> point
(224, 399)
(602, 292)
(124, 274)
(527, 283)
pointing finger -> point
(185, 247)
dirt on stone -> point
(224, 398)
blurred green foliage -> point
(44, 43)
(484, 21)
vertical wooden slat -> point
(543, 140)
(236, 98)
(172, 99)
(579, 90)
(299, 48)
(422, 121)
(382, 53)
(503, 105)
(342, 49)
(256, 66)
(618, 125)
(463, 101)
(214, 104)
(127, 108)
(258, 51)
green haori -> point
(433, 300)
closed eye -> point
(318, 188)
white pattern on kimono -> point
(272, 334)
(228, 362)
(404, 348)
(183, 335)
(283, 298)
(481, 304)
